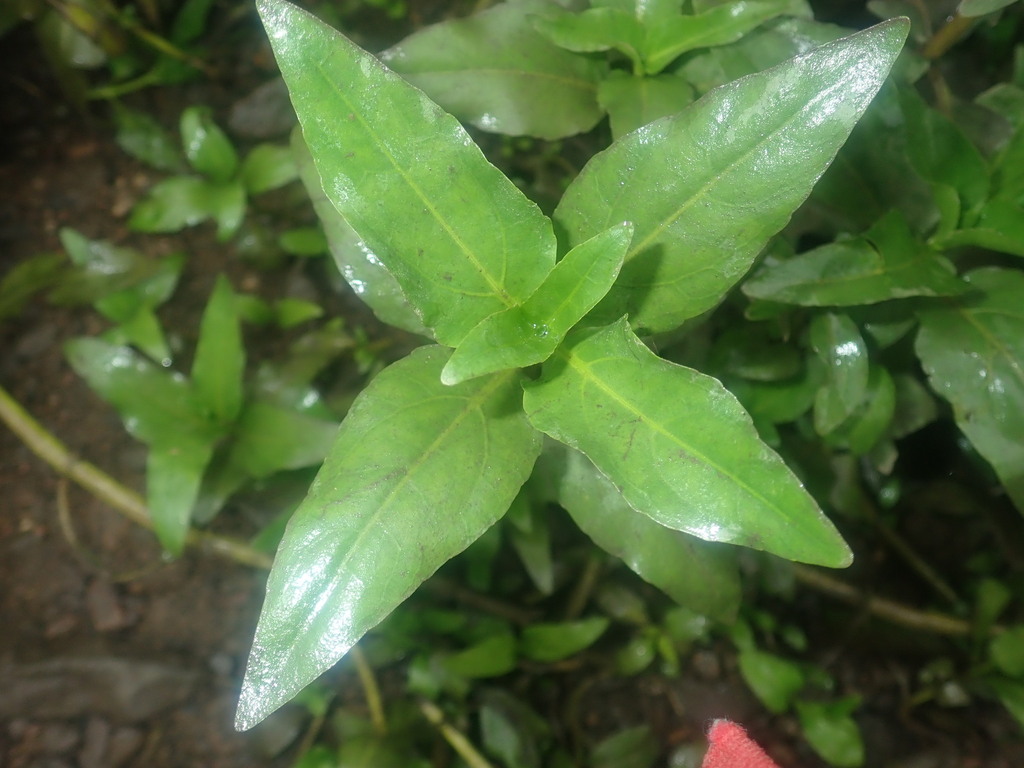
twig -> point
(947, 36)
(890, 610)
(454, 736)
(130, 504)
(371, 691)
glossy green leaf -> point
(837, 342)
(973, 353)
(530, 332)
(417, 473)
(678, 446)
(496, 71)
(942, 154)
(361, 268)
(832, 731)
(157, 405)
(470, 244)
(886, 263)
(722, 24)
(1007, 651)
(560, 640)
(705, 189)
(773, 679)
(208, 149)
(633, 101)
(696, 574)
(267, 167)
(219, 363)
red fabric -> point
(730, 747)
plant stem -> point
(926, 621)
(947, 36)
(454, 736)
(371, 691)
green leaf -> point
(227, 207)
(556, 641)
(1007, 651)
(161, 409)
(530, 537)
(417, 473)
(838, 343)
(832, 731)
(496, 71)
(1011, 694)
(143, 330)
(219, 363)
(596, 29)
(304, 241)
(208, 149)
(705, 189)
(158, 406)
(174, 474)
(510, 730)
(491, 657)
(773, 679)
(886, 263)
(999, 227)
(696, 574)
(871, 421)
(172, 205)
(629, 748)
(27, 278)
(529, 333)
(267, 167)
(633, 101)
(972, 8)
(973, 353)
(470, 244)
(942, 154)
(141, 136)
(723, 24)
(678, 446)
(361, 268)
(268, 439)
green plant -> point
(222, 189)
(653, 233)
(207, 435)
